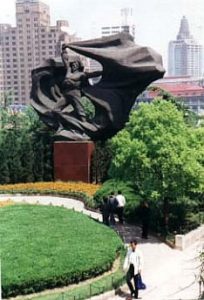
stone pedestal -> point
(72, 161)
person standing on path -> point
(113, 203)
(105, 209)
(120, 208)
(145, 218)
(133, 264)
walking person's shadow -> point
(123, 294)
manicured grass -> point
(45, 247)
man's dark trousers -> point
(129, 276)
(120, 214)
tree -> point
(13, 157)
(4, 170)
(25, 147)
(101, 161)
(88, 107)
(26, 157)
(155, 152)
(190, 117)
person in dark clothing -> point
(105, 209)
(113, 203)
(145, 218)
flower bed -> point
(80, 190)
(6, 203)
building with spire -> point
(185, 54)
(28, 45)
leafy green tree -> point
(25, 147)
(190, 117)
(156, 153)
(4, 170)
(101, 161)
(88, 107)
(26, 155)
(12, 141)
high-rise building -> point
(185, 54)
(126, 24)
(26, 46)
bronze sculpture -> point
(57, 87)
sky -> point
(156, 21)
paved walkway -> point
(55, 201)
(169, 274)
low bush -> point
(77, 190)
(127, 190)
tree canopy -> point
(160, 154)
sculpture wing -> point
(125, 64)
(127, 70)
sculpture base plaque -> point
(72, 161)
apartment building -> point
(26, 46)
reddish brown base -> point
(72, 161)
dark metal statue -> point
(57, 87)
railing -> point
(112, 282)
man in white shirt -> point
(133, 264)
(121, 204)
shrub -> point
(112, 185)
(43, 247)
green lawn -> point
(45, 247)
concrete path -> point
(169, 274)
(55, 201)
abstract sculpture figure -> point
(57, 87)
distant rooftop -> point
(180, 87)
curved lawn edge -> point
(108, 281)
(114, 282)
(80, 196)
